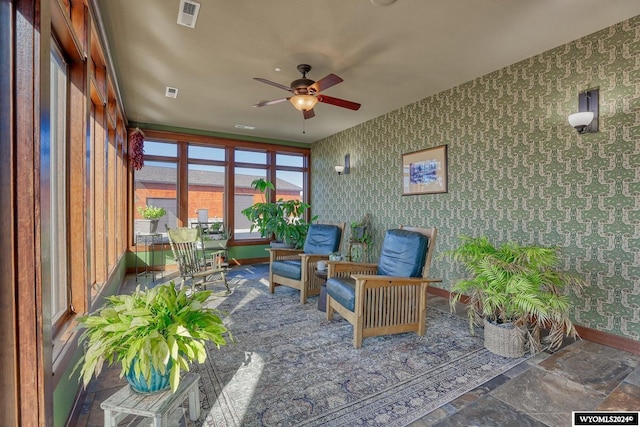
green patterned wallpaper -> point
(517, 170)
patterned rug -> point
(292, 367)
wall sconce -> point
(347, 166)
(586, 119)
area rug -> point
(290, 366)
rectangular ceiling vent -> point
(171, 92)
(188, 13)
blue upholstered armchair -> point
(389, 297)
(296, 268)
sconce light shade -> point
(303, 102)
(586, 119)
(580, 121)
(347, 166)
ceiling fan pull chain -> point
(303, 121)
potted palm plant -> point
(151, 215)
(517, 292)
(361, 240)
(283, 220)
(154, 334)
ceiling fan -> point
(306, 93)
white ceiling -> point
(388, 56)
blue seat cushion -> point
(343, 290)
(287, 268)
(403, 253)
(322, 239)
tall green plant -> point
(517, 284)
(283, 219)
(150, 328)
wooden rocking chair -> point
(194, 263)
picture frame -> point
(425, 171)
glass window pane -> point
(206, 194)
(257, 157)
(290, 160)
(56, 212)
(156, 185)
(154, 148)
(206, 153)
(289, 185)
(245, 196)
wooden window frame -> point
(184, 140)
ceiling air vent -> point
(188, 13)
(171, 92)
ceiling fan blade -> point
(265, 103)
(308, 114)
(269, 82)
(325, 83)
(338, 102)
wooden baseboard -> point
(586, 333)
(247, 261)
(174, 267)
(609, 339)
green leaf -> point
(173, 347)
(139, 321)
(174, 378)
(116, 327)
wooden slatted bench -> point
(157, 406)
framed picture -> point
(425, 171)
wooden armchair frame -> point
(309, 283)
(384, 304)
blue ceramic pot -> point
(157, 382)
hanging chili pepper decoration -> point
(136, 149)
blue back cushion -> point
(322, 239)
(403, 253)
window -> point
(289, 185)
(190, 179)
(160, 149)
(207, 183)
(290, 160)
(245, 196)
(54, 191)
(156, 185)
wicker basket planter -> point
(504, 339)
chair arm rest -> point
(346, 268)
(218, 252)
(407, 280)
(312, 257)
(283, 250)
(279, 253)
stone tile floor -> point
(542, 391)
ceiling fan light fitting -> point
(303, 102)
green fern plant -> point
(158, 327)
(516, 284)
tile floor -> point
(542, 391)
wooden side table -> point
(157, 406)
(322, 299)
